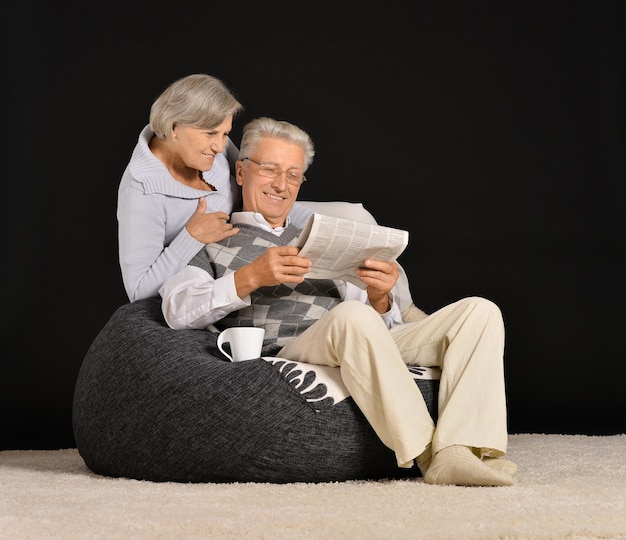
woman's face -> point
(197, 148)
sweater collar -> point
(147, 169)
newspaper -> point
(337, 246)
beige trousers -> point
(465, 339)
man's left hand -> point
(380, 277)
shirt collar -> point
(256, 219)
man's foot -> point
(457, 465)
(424, 460)
(501, 465)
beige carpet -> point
(568, 487)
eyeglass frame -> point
(262, 166)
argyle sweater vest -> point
(285, 310)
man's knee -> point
(484, 308)
(351, 307)
(354, 312)
(355, 320)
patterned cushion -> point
(152, 403)
(323, 387)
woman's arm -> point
(145, 261)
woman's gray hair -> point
(279, 129)
(197, 100)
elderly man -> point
(257, 278)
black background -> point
(492, 131)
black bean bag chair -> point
(152, 403)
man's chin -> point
(276, 219)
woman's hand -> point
(380, 277)
(212, 227)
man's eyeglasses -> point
(271, 170)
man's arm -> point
(192, 298)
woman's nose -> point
(218, 146)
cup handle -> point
(221, 338)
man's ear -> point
(239, 172)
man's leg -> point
(354, 337)
(465, 339)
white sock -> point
(457, 465)
(501, 464)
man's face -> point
(272, 197)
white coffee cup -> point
(245, 342)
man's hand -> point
(280, 264)
(380, 277)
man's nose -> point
(280, 182)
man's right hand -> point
(280, 264)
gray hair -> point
(279, 129)
(197, 100)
